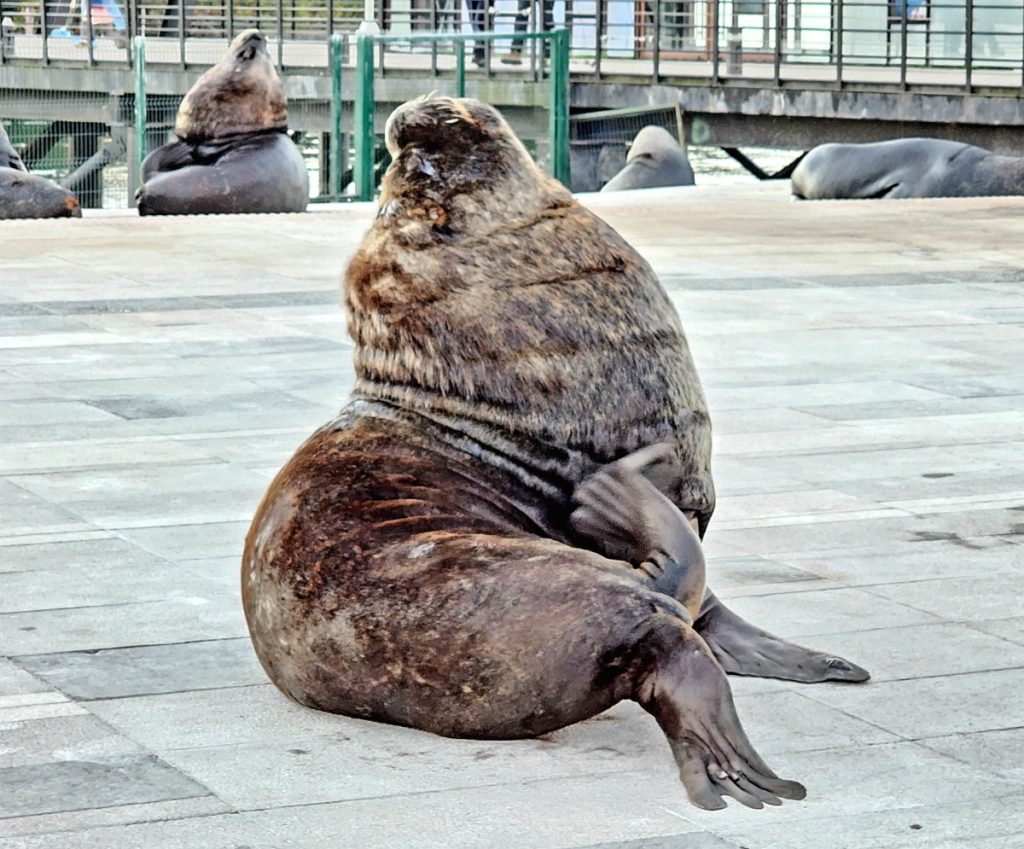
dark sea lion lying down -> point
(494, 539)
(25, 195)
(906, 168)
(232, 152)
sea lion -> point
(906, 168)
(654, 159)
(232, 152)
(25, 195)
(493, 538)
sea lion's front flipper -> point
(744, 649)
(624, 515)
(688, 694)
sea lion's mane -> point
(484, 293)
(241, 94)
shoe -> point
(512, 58)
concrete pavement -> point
(864, 365)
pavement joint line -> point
(14, 658)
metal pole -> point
(335, 162)
(656, 6)
(778, 41)
(44, 26)
(231, 19)
(140, 104)
(363, 118)
(599, 46)
(558, 115)
(716, 9)
(181, 30)
(903, 44)
(840, 25)
(969, 47)
(460, 68)
(279, 11)
(87, 26)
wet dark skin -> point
(494, 539)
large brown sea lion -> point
(906, 168)
(480, 544)
(232, 152)
(25, 195)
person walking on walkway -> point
(515, 54)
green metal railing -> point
(364, 103)
(558, 105)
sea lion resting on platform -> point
(906, 168)
(232, 152)
(654, 159)
(476, 546)
(25, 195)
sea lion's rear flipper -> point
(743, 649)
(625, 517)
(688, 694)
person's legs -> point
(477, 10)
(514, 56)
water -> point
(713, 166)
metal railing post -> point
(85, 16)
(599, 45)
(778, 42)
(140, 104)
(45, 28)
(231, 19)
(656, 75)
(335, 159)
(840, 25)
(558, 135)
(363, 117)
(279, 11)
(903, 44)
(181, 30)
(460, 69)
(716, 10)
(969, 46)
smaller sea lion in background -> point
(654, 159)
(25, 195)
(232, 152)
(906, 168)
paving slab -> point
(863, 367)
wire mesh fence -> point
(95, 143)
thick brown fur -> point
(242, 93)
(437, 556)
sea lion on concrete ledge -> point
(25, 195)
(232, 152)
(906, 168)
(654, 159)
(493, 538)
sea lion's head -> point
(458, 168)
(242, 93)
(24, 195)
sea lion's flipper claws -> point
(743, 649)
(688, 694)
